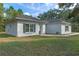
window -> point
(32, 27)
(66, 28)
(28, 28)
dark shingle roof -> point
(62, 21)
(29, 18)
(25, 17)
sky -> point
(33, 9)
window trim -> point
(34, 28)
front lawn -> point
(3, 35)
(42, 46)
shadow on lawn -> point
(4, 35)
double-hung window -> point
(28, 28)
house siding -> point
(53, 28)
(11, 28)
(44, 29)
(63, 29)
(20, 29)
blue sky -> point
(32, 8)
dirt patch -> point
(11, 39)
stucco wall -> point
(11, 28)
(53, 28)
(20, 29)
(57, 27)
(63, 29)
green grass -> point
(3, 35)
(49, 47)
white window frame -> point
(34, 29)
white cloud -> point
(56, 6)
(33, 14)
(40, 6)
(26, 13)
(52, 5)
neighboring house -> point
(27, 26)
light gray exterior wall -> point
(20, 29)
(53, 28)
(63, 29)
(42, 28)
(16, 29)
(11, 28)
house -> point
(27, 26)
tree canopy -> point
(50, 14)
(64, 12)
(11, 13)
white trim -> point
(29, 28)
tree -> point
(12, 13)
(64, 14)
(75, 11)
(1, 9)
(49, 15)
(74, 16)
(19, 12)
(65, 5)
(1, 17)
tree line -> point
(7, 15)
(63, 12)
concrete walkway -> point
(71, 34)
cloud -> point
(56, 6)
(39, 6)
(26, 13)
(34, 8)
(51, 5)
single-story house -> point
(27, 26)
